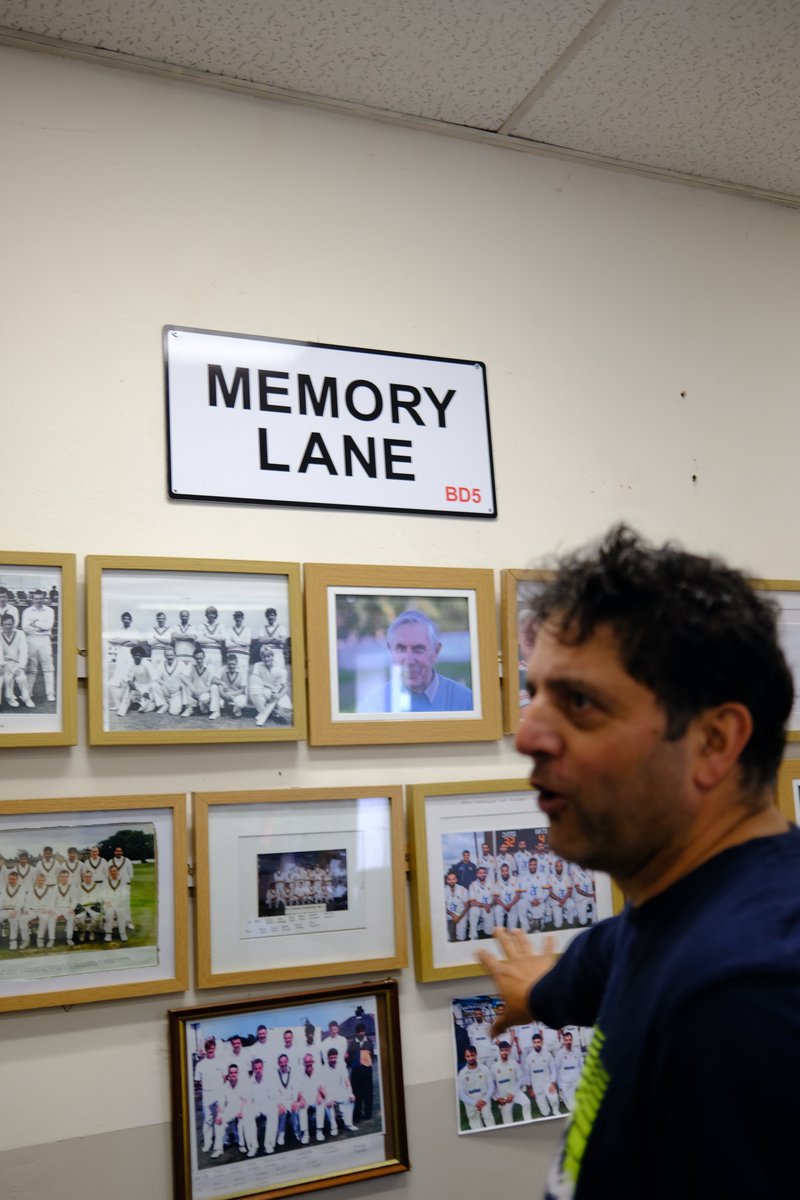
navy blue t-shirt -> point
(691, 1087)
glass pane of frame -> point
(481, 858)
(38, 649)
(297, 884)
(287, 1094)
(401, 654)
(188, 650)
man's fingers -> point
(490, 962)
(513, 942)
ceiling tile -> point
(705, 87)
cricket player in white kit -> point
(456, 907)
(38, 623)
(199, 680)
(231, 686)
(569, 1062)
(269, 688)
(115, 906)
(534, 905)
(481, 904)
(583, 893)
(508, 1080)
(310, 1094)
(475, 1088)
(64, 905)
(232, 1112)
(40, 909)
(12, 910)
(338, 1091)
(14, 659)
(209, 1072)
(170, 680)
(89, 906)
(562, 906)
(506, 895)
(540, 1069)
(258, 1103)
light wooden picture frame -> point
(345, 1121)
(788, 790)
(449, 826)
(122, 930)
(194, 650)
(438, 683)
(786, 594)
(298, 884)
(38, 650)
(516, 629)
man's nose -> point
(538, 731)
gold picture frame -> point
(786, 593)
(514, 638)
(149, 619)
(446, 690)
(344, 1123)
(788, 790)
(335, 859)
(449, 826)
(38, 699)
(71, 945)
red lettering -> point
(462, 495)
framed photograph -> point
(517, 588)
(38, 649)
(271, 1097)
(480, 858)
(93, 899)
(529, 1073)
(786, 593)
(299, 883)
(401, 654)
(194, 650)
(788, 797)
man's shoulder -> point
(452, 696)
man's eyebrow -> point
(562, 685)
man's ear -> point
(722, 734)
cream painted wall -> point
(640, 347)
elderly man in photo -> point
(414, 684)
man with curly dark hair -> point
(659, 697)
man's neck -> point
(733, 827)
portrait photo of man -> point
(404, 655)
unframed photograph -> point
(529, 1073)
